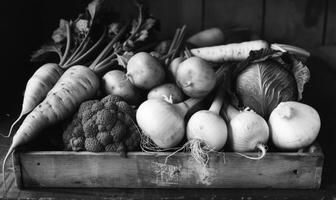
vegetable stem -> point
(77, 51)
(218, 102)
(231, 112)
(67, 48)
(92, 49)
(184, 106)
(137, 28)
(104, 68)
(108, 48)
(179, 40)
(105, 61)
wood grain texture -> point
(143, 170)
(175, 13)
(330, 37)
(295, 22)
(230, 14)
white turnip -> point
(248, 131)
(168, 91)
(294, 125)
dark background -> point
(25, 25)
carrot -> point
(37, 88)
(76, 85)
(208, 37)
(229, 52)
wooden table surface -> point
(326, 192)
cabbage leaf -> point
(267, 78)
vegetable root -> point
(76, 85)
(229, 52)
(37, 89)
(248, 131)
(207, 130)
(261, 148)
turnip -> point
(294, 125)
(248, 131)
(115, 82)
(207, 130)
(163, 122)
(145, 71)
(196, 77)
(167, 91)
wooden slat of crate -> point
(228, 14)
(148, 170)
(295, 22)
(175, 13)
(330, 38)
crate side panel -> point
(225, 170)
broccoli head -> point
(105, 125)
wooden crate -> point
(58, 169)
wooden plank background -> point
(299, 22)
(230, 14)
(330, 31)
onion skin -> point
(294, 125)
(162, 122)
(246, 130)
(196, 77)
(144, 71)
(208, 127)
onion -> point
(163, 122)
(248, 131)
(207, 130)
(294, 125)
(196, 77)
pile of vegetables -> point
(118, 85)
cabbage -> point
(267, 78)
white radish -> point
(229, 52)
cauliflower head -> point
(106, 125)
